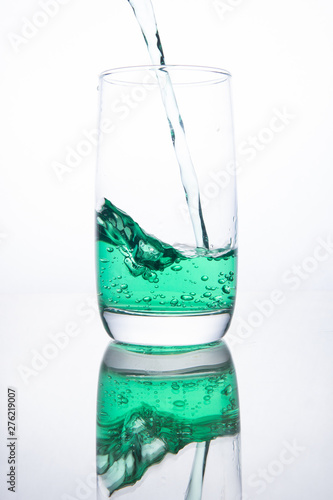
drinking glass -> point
(168, 424)
(166, 205)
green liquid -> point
(139, 273)
(143, 417)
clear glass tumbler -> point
(168, 424)
(166, 205)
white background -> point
(280, 56)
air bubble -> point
(147, 299)
(176, 268)
(204, 278)
(226, 289)
(179, 403)
(186, 297)
(190, 385)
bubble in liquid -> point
(189, 385)
(176, 268)
(226, 289)
(147, 299)
(207, 294)
(222, 281)
(228, 390)
(186, 297)
(174, 302)
(122, 400)
(124, 286)
(104, 260)
(179, 403)
(204, 278)
(109, 249)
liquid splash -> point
(140, 273)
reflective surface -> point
(284, 373)
(168, 417)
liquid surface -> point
(142, 418)
(140, 273)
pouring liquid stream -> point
(144, 13)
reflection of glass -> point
(168, 424)
(164, 258)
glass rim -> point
(217, 75)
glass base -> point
(166, 330)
